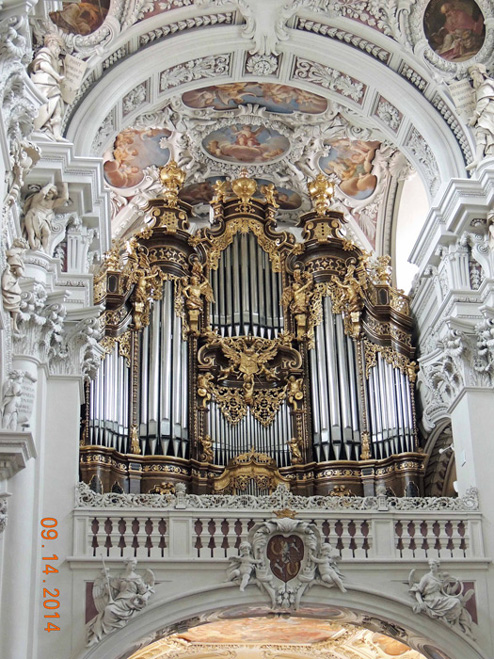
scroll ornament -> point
(284, 558)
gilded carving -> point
(298, 298)
(172, 179)
(194, 289)
(295, 452)
(321, 191)
(392, 357)
(207, 454)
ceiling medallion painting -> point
(351, 161)
(454, 29)
(83, 17)
(245, 143)
(133, 151)
(273, 97)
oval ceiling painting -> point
(82, 17)
(246, 144)
(351, 161)
(454, 29)
(275, 98)
(203, 192)
(133, 151)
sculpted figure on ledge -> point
(117, 599)
(482, 119)
(47, 74)
(438, 595)
(39, 215)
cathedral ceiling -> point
(281, 638)
(357, 89)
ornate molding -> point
(282, 498)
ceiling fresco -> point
(275, 98)
(83, 17)
(280, 139)
(455, 29)
(294, 637)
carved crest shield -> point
(285, 555)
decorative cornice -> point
(16, 448)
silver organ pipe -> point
(335, 396)
(246, 291)
(164, 381)
(390, 408)
(231, 440)
(109, 421)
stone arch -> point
(166, 616)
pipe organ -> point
(236, 358)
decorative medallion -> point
(246, 143)
(83, 17)
(455, 30)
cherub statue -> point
(47, 74)
(436, 595)
(242, 568)
(39, 214)
(327, 569)
(117, 599)
(11, 290)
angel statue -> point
(193, 289)
(437, 596)
(242, 568)
(118, 598)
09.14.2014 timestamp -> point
(50, 595)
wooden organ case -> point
(236, 358)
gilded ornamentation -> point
(247, 467)
(365, 452)
(217, 244)
(220, 191)
(391, 357)
(295, 452)
(147, 279)
(269, 192)
(264, 403)
(163, 488)
(244, 188)
(207, 454)
(321, 191)
(204, 389)
(298, 298)
(349, 299)
(341, 491)
(135, 447)
(295, 391)
(172, 179)
(124, 342)
(193, 289)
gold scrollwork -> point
(248, 467)
(392, 357)
(207, 454)
(172, 179)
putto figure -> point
(117, 599)
(11, 289)
(242, 568)
(437, 596)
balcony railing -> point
(184, 526)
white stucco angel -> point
(437, 595)
(327, 571)
(117, 599)
(242, 567)
(39, 215)
(482, 119)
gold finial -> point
(321, 191)
(244, 187)
(172, 179)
